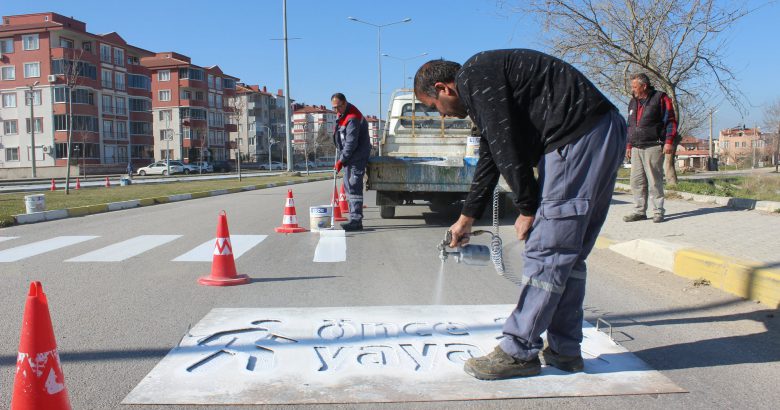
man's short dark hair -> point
(339, 96)
(432, 72)
(642, 78)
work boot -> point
(352, 226)
(498, 365)
(658, 218)
(634, 217)
(571, 364)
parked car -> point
(275, 165)
(205, 166)
(188, 168)
(160, 168)
(222, 166)
(325, 162)
(302, 165)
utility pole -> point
(31, 97)
(287, 92)
(711, 147)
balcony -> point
(231, 128)
(74, 54)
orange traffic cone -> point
(223, 266)
(337, 216)
(108, 183)
(39, 381)
(343, 204)
(78, 184)
(289, 220)
(53, 185)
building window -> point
(8, 72)
(165, 115)
(12, 154)
(119, 82)
(66, 42)
(140, 105)
(105, 78)
(32, 70)
(86, 46)
(121, 107)
(211, 81)
(38, 125)
(36, 97)
(185, 95)
(105, 53)
(30, 42)
(164, 75)
(9, 100)
(108, 104)
(10, 127)
(80, 96)
(6, 45)
(164, 95)
(108, 129)
(218, 82)
(121, 130)
(140, 128)
(141, 82)
(211, 99)
(219, 100)
(119, 57)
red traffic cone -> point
(223, 266)
(78, 184)
(108, 183)
(53, 185)
(39, 381)
(337, 216)
(289, 220)
(343, 204)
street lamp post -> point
(379, 58)
(271, 143)
(404, 60)
(31, 98)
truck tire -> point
(387, 212)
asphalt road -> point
(114, 321)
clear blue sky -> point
(335, 54)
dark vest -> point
(649, 131)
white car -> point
(275, 165)
(190, 168)
(159, 168)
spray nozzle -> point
(468, 254)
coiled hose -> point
(496, 245)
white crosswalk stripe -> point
(205, 251)
(125, 249)
(7, 238)
(36, 248)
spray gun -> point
(471, 254)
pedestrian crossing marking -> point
(331, 248)
(36, 248)
(205, 251)
(7, 238)
(125, 249)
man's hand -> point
(461, 230)
(338, 166)
(668, 149)
(628, 154)
(523, 226)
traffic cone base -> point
(290, 219)
(223, 265)
(39, 382)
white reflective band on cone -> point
(223, 247)
(290, 220)
(290, 203)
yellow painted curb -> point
(161, 199)
(87, 210)
(146, 202)
(200, 195)
(740, 277)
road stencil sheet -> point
(369, 354)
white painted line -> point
(7, 238)
(37, 248)
(125, 249)
(332, 247)
(205, 251)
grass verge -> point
(13, 203)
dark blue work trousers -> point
(576, 183)
(353, 187)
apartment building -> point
(313, 128)
(193, 108)
(55, 64)
(741, 145)
(261, 116)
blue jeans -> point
(576, 182)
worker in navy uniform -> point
(354, 147)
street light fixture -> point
(404, 60)
(379, 59)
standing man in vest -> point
(354, 147)
(535, 110)
(652, 129)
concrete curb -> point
(744, 278)
(134, 203)
(736, 203)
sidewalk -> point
(735, 250)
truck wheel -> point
(387, 212)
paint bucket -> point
(472, 150)
(319, 217)
(35, 203)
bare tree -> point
(73, 71)
(772, 123)
(677, 43)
